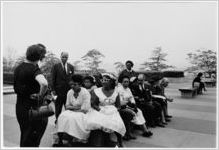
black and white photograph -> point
(109, 74)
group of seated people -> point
(94, 112)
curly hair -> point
(77, 78)
(35, 52)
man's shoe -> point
(160, 125)
(147, 134)
(126, 138)
(167, 120)
(164, 123)
(168, 116)
(132, 137)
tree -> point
(119, 66)
(8, 59)
(77, 65)
(203, 59)
(157, 61)
(48, 62)
(19, 60)
(92, 59)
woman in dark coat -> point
(201, 84)
(29, 80)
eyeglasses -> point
(105, 80)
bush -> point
(8, 78)
(152, 75)
(173, 74)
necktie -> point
(64, 69)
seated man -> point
(152, 110)
(201, 84)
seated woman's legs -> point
(127, 116)
(146, 132)
(163, 104)
(159, 114)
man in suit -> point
(61, 74)
(143, 97)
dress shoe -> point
(132, 137)
(147, 134)
(126, 138)
(168, 116)
(160, 125)
(164, 123)
(167, 120)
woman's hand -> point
(124, 102)
(73, 108)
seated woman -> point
(105, 115)
(89, 83)
(159, 96)
(73, 120)
(201, 84)
(128, 105)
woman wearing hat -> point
(128, 71)
(106, 103)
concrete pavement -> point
(193, 124)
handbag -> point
(44, 111)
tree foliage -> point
(157, 61)
(92, 59)
(48, 62)
(46, 65)
(119, 66)
(203, 59)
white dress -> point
(108, 118)
(125, 97)
(72, 122)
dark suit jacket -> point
(141, 93)
(60, 80)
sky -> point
(120, 31)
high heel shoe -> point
(164, 123)
(160, 125)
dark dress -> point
(25, 85)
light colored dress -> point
(108, 118)
(125, 97)
(72, 122)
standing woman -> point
(29, 80)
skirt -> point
(74, 124)
(107, 119)
(138, 118)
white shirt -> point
(83, 99)
(125, 95)
(66, 68)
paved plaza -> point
(193, 124)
